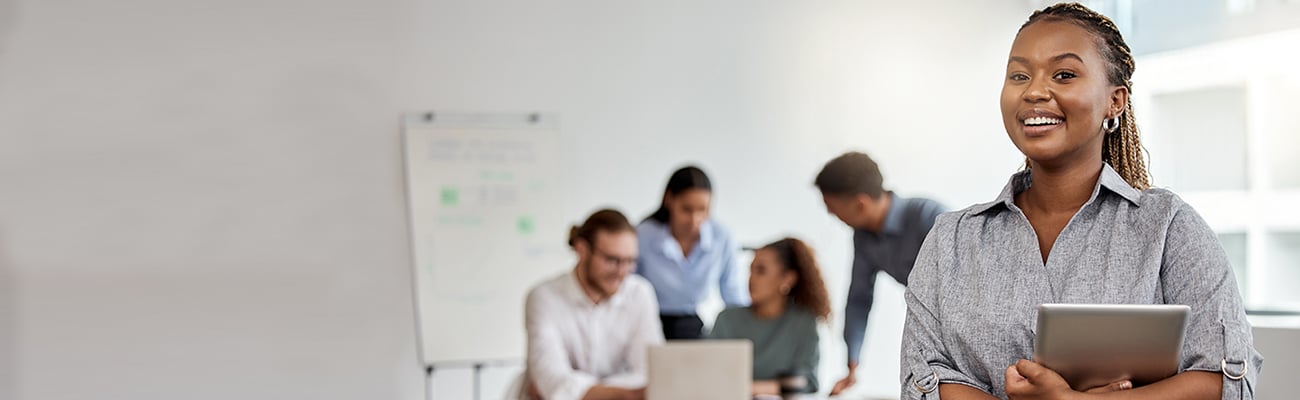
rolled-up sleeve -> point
(925, 360)
(548, 364)
(1196, 272)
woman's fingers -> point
(1030, 370)
(1123, 384)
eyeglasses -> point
(612, 260)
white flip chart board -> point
(483, 201)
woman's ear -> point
(788, 279)
(1118, 101)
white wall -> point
(1263, 131)
(203, 200)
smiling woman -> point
(1075, 82)
(1079, 225)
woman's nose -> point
(1036, 92)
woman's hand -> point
(1028, 380)
(1122, 384)
(765, 388)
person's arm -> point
(599, 392)
(1196, 272)
(862, 293)
(957, 391)
(548, 366)
(1190, 385)
(1028, 380)
(732, 282)
(926, 365)
(650, 331)
(647, 333)
(808, 356)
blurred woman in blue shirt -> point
(683, 253)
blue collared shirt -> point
(892, 251)
(682, 282)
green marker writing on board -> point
(525, 225)
(450, 196)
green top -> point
(784, 346)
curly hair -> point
(809, 291)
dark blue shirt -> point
(892, 251)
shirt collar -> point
(1111, 180)
(1021, 181)
(669, 243)
(706, 235)
(894, 217)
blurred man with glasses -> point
(588, 328)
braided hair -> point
(1122, 148)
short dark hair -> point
(850, 174)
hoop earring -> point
(1110, 124)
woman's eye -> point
(1064, 75)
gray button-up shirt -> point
(972, 297)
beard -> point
(597, 283)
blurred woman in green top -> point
(788, 299)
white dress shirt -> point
(574, 344)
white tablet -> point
(1092, 345)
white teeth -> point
(1042, 121)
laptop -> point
(700, 369)
(1092, 345)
